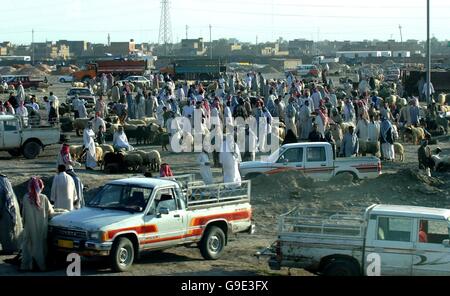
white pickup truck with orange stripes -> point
(133, 215)
(315, 160)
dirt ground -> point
(400, 183)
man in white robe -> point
(230, 158)
(120, 140)
(36, 213)
(22, 112)
(98, 122)
(205, 167)
(89, 145)
(20, 93)
(64, 194)
(82, 112)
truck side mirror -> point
(163, 211)
(446, 243)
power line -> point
(303, 15)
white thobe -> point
(64, 194)
(230, 163)
(88, 142)
(120, 141)
(205, 168)
(34, 244)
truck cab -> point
(17, 138)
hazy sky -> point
(92, 20)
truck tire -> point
(62, 80)
(122, 254)
(341, 267)
(212, 243)
(31, 150)
(15, 152)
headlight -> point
(97, 235)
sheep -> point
(418, 134)
(75, 151)
(155, 160)
(441, 99)
(150, 120)
(106, 148)
(146, 134)
(113, 162)
(133, 161)
(136, 122)
(80, 124)
(400, 151)
(99, 156)
(372, 148)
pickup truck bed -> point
(303, 234)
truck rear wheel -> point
(15, 152)
(341, 267)
(212, 243)
(31, 150)
(122, 254)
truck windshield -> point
(122, 198)
(274, 156)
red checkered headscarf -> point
(35, 187)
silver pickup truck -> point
(381, 240)
(17, 138)
(133, 215)
(315, 160)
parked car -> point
(26, 81)
(140, 81)
(130, 216)
(83, 93)
(314, 160)
(65, 78)
(407, 240)
(18, 139)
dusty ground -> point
(401, 183)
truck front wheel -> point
(212, 243)
(31, 150)
(340, 267)
(122, 254)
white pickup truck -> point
(401, 240)
(315, 160)
(133, 215)
(18, 139)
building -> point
(3, 51)
(363, 54)
(300, 47)
(77, 48)
(122, 48)
(401, 54)
(192, 47)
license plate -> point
(65, 244)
